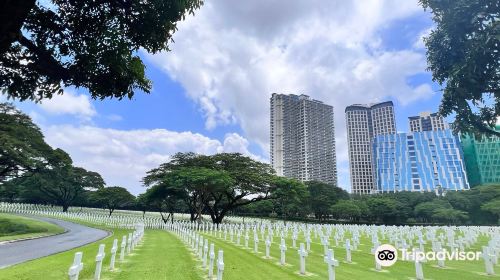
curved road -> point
(76, 235)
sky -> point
(211, 92)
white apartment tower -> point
(303, 138)
(364, 122)
(427, 121)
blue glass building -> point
(419, 161)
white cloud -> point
(122, 157)
(69, 103)
(232, 55)
(419, 43)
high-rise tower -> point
(427, 121)
(364, 122)
(303, 138)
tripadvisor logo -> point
(387, 255)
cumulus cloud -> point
(122, 157)
(69, 103)
(232, 55)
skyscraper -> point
(365, 121)
(303, 138)
(419, 161)
(427, 121)
(482, 158)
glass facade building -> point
(482, 158)
(364, 121)
(419, 161)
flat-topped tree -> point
(90, 44)
(164, 199)
(251, 181)
(112, 198)
(216, 184)
(23, 149)
(187, 177)
(61, 182)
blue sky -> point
(211, 93)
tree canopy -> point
(23, 149)
(463, 55)
(112, 198)
(45, 45)
(217, 184)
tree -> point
(23, 149)
(346, 209)
(383, 208)
(287, 194)
(462, 53)
(165, 199)
(91, 44)
(449, 215)
(493, 207)
(252, 182)
(217, 184)
(322, 196)
(63, 183)
(112, 198)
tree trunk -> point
(65, 208)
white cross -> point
(308, 243)
(283, 250)
(76, 267)
(211, 265)
(113, 254)
(302, 255)
(418, 266)
(129, 242)
(205, 253)
(220, 265)
(348, 251)
(332, 263)
(488, 260)
(98, 262)
(256, 243)
(122, 249)
(268, 245)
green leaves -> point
(22, 147)
(216, 184)
(91, 44)
(462, 53)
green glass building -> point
(482, 159)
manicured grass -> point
(14, 227)
(56, 266)
(161, 256)
(242, 263)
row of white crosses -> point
(200, 247)
(127, 246)
(404, 237)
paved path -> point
(76, 235)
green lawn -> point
(13, 227)
(163, 256)
(56, 266)
(242, 263)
